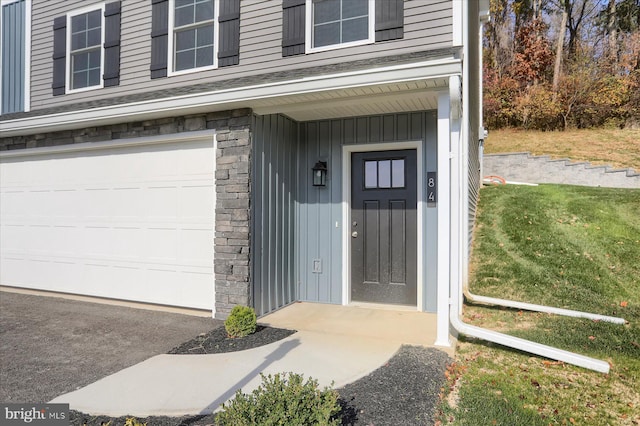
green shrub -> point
(241, 321)
(282, 399)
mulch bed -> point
(404, 391)
(216, 341)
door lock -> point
(354, 234)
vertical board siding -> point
(428, 128)
(427, 26)
(319, 211)
(13, 56)
(273, 218)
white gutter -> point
(457, 243)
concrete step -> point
(524, 167)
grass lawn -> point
(617, 147)
(565, 246)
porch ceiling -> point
(418, 95)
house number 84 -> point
(432, 188)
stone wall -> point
(233, 185)
(524, 167)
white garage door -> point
(127, 222)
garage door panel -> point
(192, 196)
(133, 223)
(162, 244)
(161, 203)
(129, 203)
(12, 241)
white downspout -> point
(454, 169)
(539, 308)
(526, 345)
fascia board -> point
(235, 97)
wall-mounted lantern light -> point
(320, 173)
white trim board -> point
(116, 143)
(347, 150)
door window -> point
(384, 174)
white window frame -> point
(309, 30)
(69, 88)
(27, 54)
(171, 42)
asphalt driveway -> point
(50, 346)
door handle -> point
(354, 234)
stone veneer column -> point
(232, 230)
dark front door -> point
(384, 227)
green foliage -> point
(558, 245)
(282, 399)
(132, 421)
(241, 321)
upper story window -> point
(193, 35)
(85, 53)
(193, 28)
(15, 55)
(340, 23)
(310, 26)
(86, 49)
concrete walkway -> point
(334, 344)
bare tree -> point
(612, 30)
(499, 37)
(557, 68)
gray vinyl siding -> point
(320, 208)
(275, 141)
(428, 25)
(13, 27)
(475, 82)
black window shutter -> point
(159, 37)
(389, 19)
(293, 34)
(59, 54)
(229, 19)
(111, 74)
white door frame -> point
(346, 211)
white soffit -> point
(403, 97)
